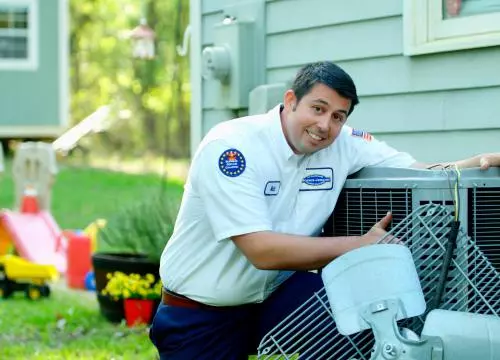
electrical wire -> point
(451, 244)
(457, 196)
(454, 188)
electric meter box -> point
(231, 63)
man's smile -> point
(314, 136)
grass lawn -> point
(81, 195)
(68, 325)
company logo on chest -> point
(317, 179)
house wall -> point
(32, 101)
(438, 107)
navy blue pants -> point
(204, 334)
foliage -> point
(141, 228)
(132, 286)
(154, 93)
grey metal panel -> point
(210, 93)
(367, 39)
(195, 18)
(213, 117)
(444, 110)
(410, 178)
(398, 74)
(284, 16)
(210, 6)
(207, 27)
(444, 145)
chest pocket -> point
(319, 191)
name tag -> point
(272, 188)
(317, 179)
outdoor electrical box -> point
(231, 62)
(264, 97)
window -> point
(446, 25)
(18, 35)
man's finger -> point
(385, 221)
(484, 163)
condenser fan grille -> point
(484, 221)
(358, 210)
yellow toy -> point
(17, 274)
(91, 231)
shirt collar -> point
(281, 144)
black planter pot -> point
(105, 263)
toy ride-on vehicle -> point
(18, 274)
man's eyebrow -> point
(321, 101)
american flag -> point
(362, 134)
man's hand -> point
(378, 231)
(488, 160)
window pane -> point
(460, 8)
(13, 47)
(4, 20)
(14, 18)
(20, 19)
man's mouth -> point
(314, 136)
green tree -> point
(155, 92)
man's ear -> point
(290, 100)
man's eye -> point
(317, 109)
(338, 117)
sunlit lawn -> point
(66, 326)
(81, 195)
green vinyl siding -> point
(444, 98)
(31, 97)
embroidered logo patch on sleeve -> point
(362, 134)
(232, 163)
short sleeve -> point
(369, 151)
(226, 178)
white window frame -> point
(426, 32)
(31, 62)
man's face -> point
(315, 122)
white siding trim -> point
(30, 64)
(64, 91)
(195, 66)
(26, 131)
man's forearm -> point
(483, 161)
(275, 251)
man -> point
(259, 190)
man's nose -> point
(324, 124)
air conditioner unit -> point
(426, 205)
(368, 195)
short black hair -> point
(326, 73)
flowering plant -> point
(132, 286)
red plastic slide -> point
(36, 237)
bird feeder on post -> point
(143, 38)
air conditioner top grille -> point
(358, 210)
